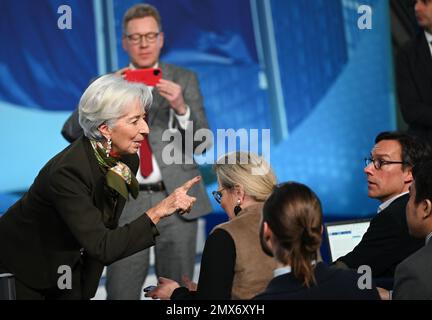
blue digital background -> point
(335, 82)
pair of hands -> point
(177, 202)
(166, 287)
(170, 91)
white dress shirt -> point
(429, 40)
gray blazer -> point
(173, 175)
(413, 277)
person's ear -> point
(125, 44)
(426, 208)
(408, 175)
(265, 237)
(161, 39)
(266, 231)
(105, 130)
(239, 192)
(268, 235)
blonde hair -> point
(141, 10)
(247, 170)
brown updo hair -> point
(294, 214)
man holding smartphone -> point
(177, 106)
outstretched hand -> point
(163, 290)
(177, 202)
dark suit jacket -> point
(414, 86)
(332, 284)
(386, 242)
(173, 175)
(413, 277)
(67, 218)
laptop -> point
(343, 236)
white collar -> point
(282, 270)
(385, 204)
(428, 237)
(428, 37)
(131, 66)
(429, 40)
(286, 269)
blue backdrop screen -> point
(335, 80)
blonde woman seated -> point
(233, 264)
(291, 232)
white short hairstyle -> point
(106, 100)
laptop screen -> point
(343, 236)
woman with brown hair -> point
(291, 232)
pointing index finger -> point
(190, 183)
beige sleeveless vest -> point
(253, 268)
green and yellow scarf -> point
(118, 175)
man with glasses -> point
(414, 75)
(389, 174)
(178, 107)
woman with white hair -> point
(58, 237)
(233, 264)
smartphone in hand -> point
(150, 76)
(149, 288)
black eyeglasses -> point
(136, 38)
(378, 163)
(218, 195)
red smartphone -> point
(149, 76)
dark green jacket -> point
(68, 218)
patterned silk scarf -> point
(118, 175)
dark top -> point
(414, 86)
(413, 277)
(386, 242)
(332, 284)
(69, 217)
(217, 270)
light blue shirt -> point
(280, 271)
(385, 204)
